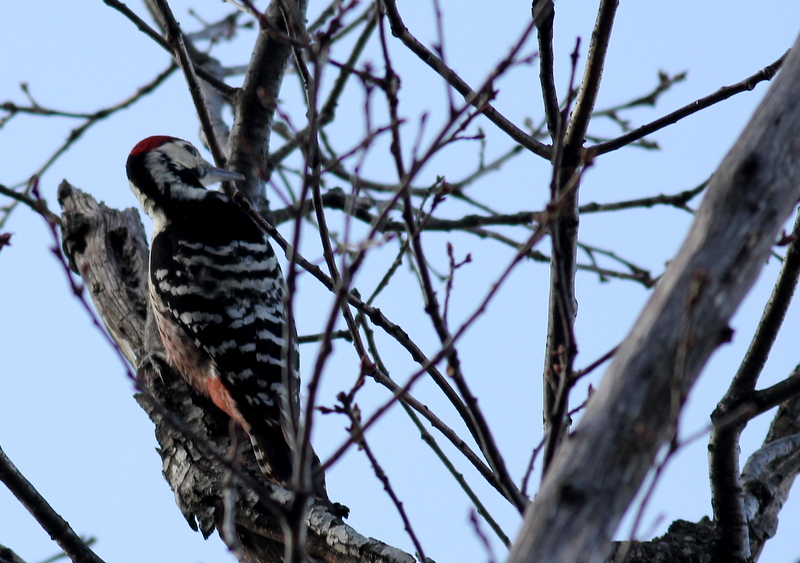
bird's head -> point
(165, 170)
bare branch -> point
(37, 205)
(358, 433)
(678, 200)
(328, 111)
(256, 105)
(766, 479)
(763, 522)
(722, 94)
(227, 91)
(560, 346)
(475, 420)
(175, 39)
(590, 86)
(400, 31)
(8, 556)
(91, 120)
(543, 12)
(49, 519)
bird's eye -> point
(192, 150)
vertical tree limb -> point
(561, 346)
(256, 105)
(545, 11)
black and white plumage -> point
(218, 296)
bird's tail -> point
(276, 461)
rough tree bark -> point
(598, 470)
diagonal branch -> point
(767, 73)
(175, 39)
(8, 556)
(227, 91)
(58, 528)
(593, 73)
(400, 31)
(727, 497)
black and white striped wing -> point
(226, 293)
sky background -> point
(67, 419)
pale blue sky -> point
(66, 414)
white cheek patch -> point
(163, 176)
(178, 154)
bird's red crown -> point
(151, 143)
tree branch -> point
(256, 105)
(227, 91)
(8, 556)
(763, 509)
(767, 73)
(544, 11)
(400, 31)
(181, 54)
(58, 528)
(593, 73)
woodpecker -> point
(217, 293)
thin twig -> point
(175, 39)
(678, 200)
(93, 118)
(400, 31)
(358, 433)
(722, 94)
(336, 334)
(594, 365)
(38, 205)
(224, 89)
